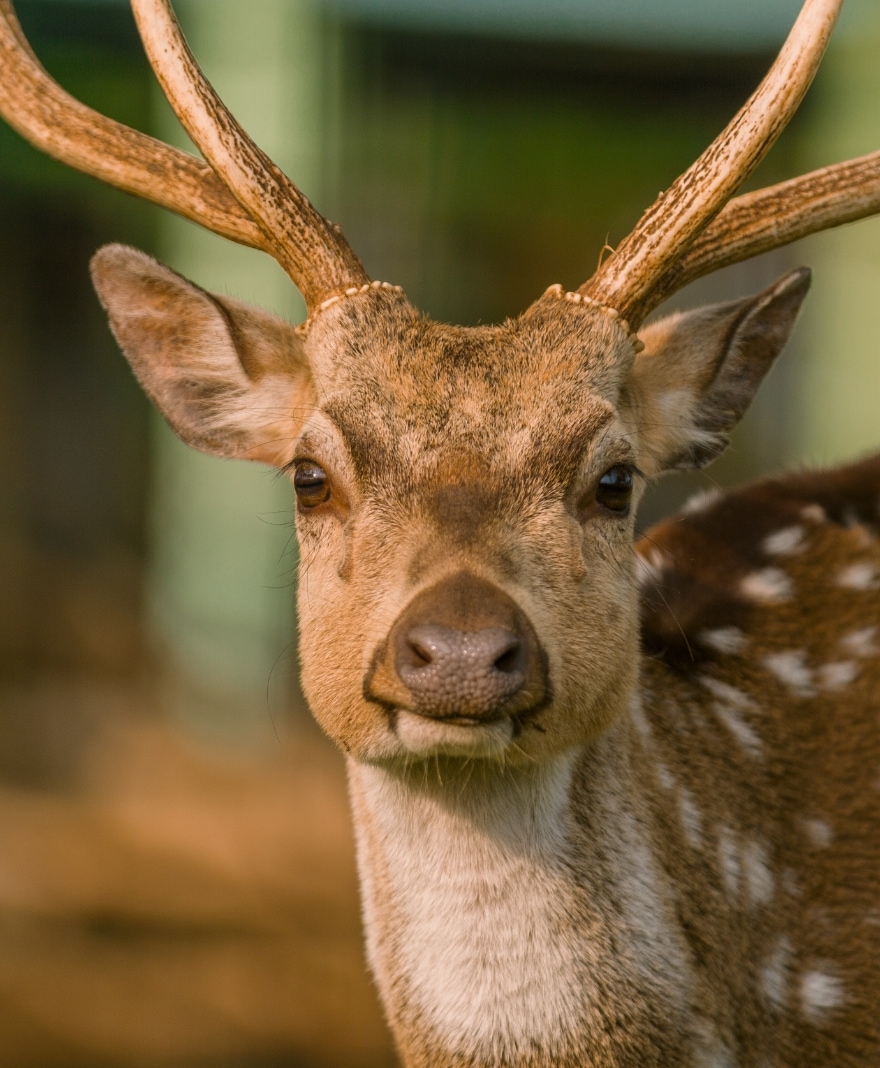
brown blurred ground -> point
(168, 904)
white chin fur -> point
(427, 737)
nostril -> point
(426, 647)
(509, 659)
(420, 654)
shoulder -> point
(779, 565)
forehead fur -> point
(384, 372)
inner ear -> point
(230, 379)
(699, 370)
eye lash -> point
(634, 468)
(300, 458)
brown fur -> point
(666, 862)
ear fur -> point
(230, 379)
(699, 371)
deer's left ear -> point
(699, 371)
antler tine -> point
(313, 252)
(778, 215)
(627, 280)
(52, 120)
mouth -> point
(464, 719)
(465, 736)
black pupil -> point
(615, 489)
(310, 483)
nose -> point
(462, 650)
(460, 673)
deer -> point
(616, 801)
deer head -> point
(465, 495)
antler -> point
(263, 208)
(629, 280)
(778, 215)
(242, 195)
(313, 253)
(40, 110)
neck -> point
(497, 900)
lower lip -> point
(461, 735)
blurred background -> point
(177, 884)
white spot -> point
(724, 639)
(863, 576)
(768, 586)
(820, 993)
(728, 708)
(814, 513)
(729, 862)
(791, 668)
(667, 780)
(640, 720)
(775, 974)
(727, 693)
(701, 501)
(818, 831)
(691, 819)
(837, 675)
(649, 566)
(741, 730)
(759, 878)
(785, 542)
(862, 642)
(713, 1053)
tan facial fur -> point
(465, 450)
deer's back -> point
(760, 726)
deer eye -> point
(311, 484)
(615, 489)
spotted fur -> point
(800, 808)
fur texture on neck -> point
(507, 927)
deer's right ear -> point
(230, 379)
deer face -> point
(467, 582)
(458, 544)
(466, 496)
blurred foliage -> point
(73, 451)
